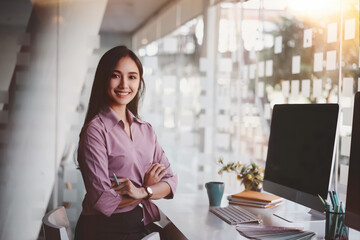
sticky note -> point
(295, 85)
(317, 86)
(225, 65)
(348, 85)
(285, 87)
(345, 146)
(260, 89)
(318, 62)
(296, 64)
(347, 116)
(307, 38)
(252, 71)
(261, 69)
(332, 32)
(331, 60)
(305, 87)
(349, 29)
(203, 64)
(278, 45)
(269, 68)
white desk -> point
(190, 214)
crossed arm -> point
(133, 195)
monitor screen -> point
(352, 212)
(301, 152)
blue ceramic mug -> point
(215, 192)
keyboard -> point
(235, 215)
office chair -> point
(56, 225)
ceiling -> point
(126, 16)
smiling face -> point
(124, 84)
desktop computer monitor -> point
(352, 209)
(301, 151)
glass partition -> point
(218, 77)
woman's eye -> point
(115, 76)
(132, 77)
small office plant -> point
(251, 175)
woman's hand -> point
(154, 174)
(126, 187)
(127, 201)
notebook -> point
(257, 197)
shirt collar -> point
(110, 119)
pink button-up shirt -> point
(105, 149)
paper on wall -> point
(261, 69)
(317, 85)
(295, 85)
(331, 60)
(258, 151)
(345, 146)
(348, 85)
(318, 62)
(347, 116)
(332, 32)
(245, 72)
(252, 71)
(349, 29)
(260, 89)
(225, 65)
(269, 68)
(278, 44)
(203, 64)
(305, 88)
(285, 86)
(296, 64)
(267, 111)
(344, 170)
(307, 38)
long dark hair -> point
(99, 96)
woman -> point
(121, 162)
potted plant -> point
(251, 175)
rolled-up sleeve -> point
(170, 177)
(93, 162)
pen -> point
(116, 180)
(326, 204)
(336, 199)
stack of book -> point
(255, 199)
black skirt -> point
(119, 226)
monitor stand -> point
(298, 216)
